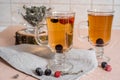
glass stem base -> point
(60, 64)
(100, 55)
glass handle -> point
(41, 35)
(83, 30)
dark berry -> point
(54, 20)
(64, 21)
(59, 48)
(39, 71)
(48, 72)
(103, 64)
(57, 74)
(108, 68)
(99, 42)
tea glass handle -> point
(83, 30)
(83, 36)
(41, 34)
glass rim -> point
(60, 13)
(101, 10)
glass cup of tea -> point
(60, 38)
(99, 30)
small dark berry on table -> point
(48, 72)
(103, 64)
(39, 71)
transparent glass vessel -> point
(60, 27)
(99, 30)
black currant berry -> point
(54, 20)
(39, 71)
(99, 42)
(48, 72)
(103, 64)
(59, 48)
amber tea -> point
(60, 31)
(100, 27)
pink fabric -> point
(112, 50)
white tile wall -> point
(5, 13)
(20, 1)
(81, 12)
(80, 2)
(116, 20)
(16, 14)
(60, 1)
(102, 1)
(59, 8)
(117, 2)
(4, 1)
(10, 15)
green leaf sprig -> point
(33, 15)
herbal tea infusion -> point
(60, 31)
(100, 27)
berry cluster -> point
(106, 66)
(63, 20)
(47, 72)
